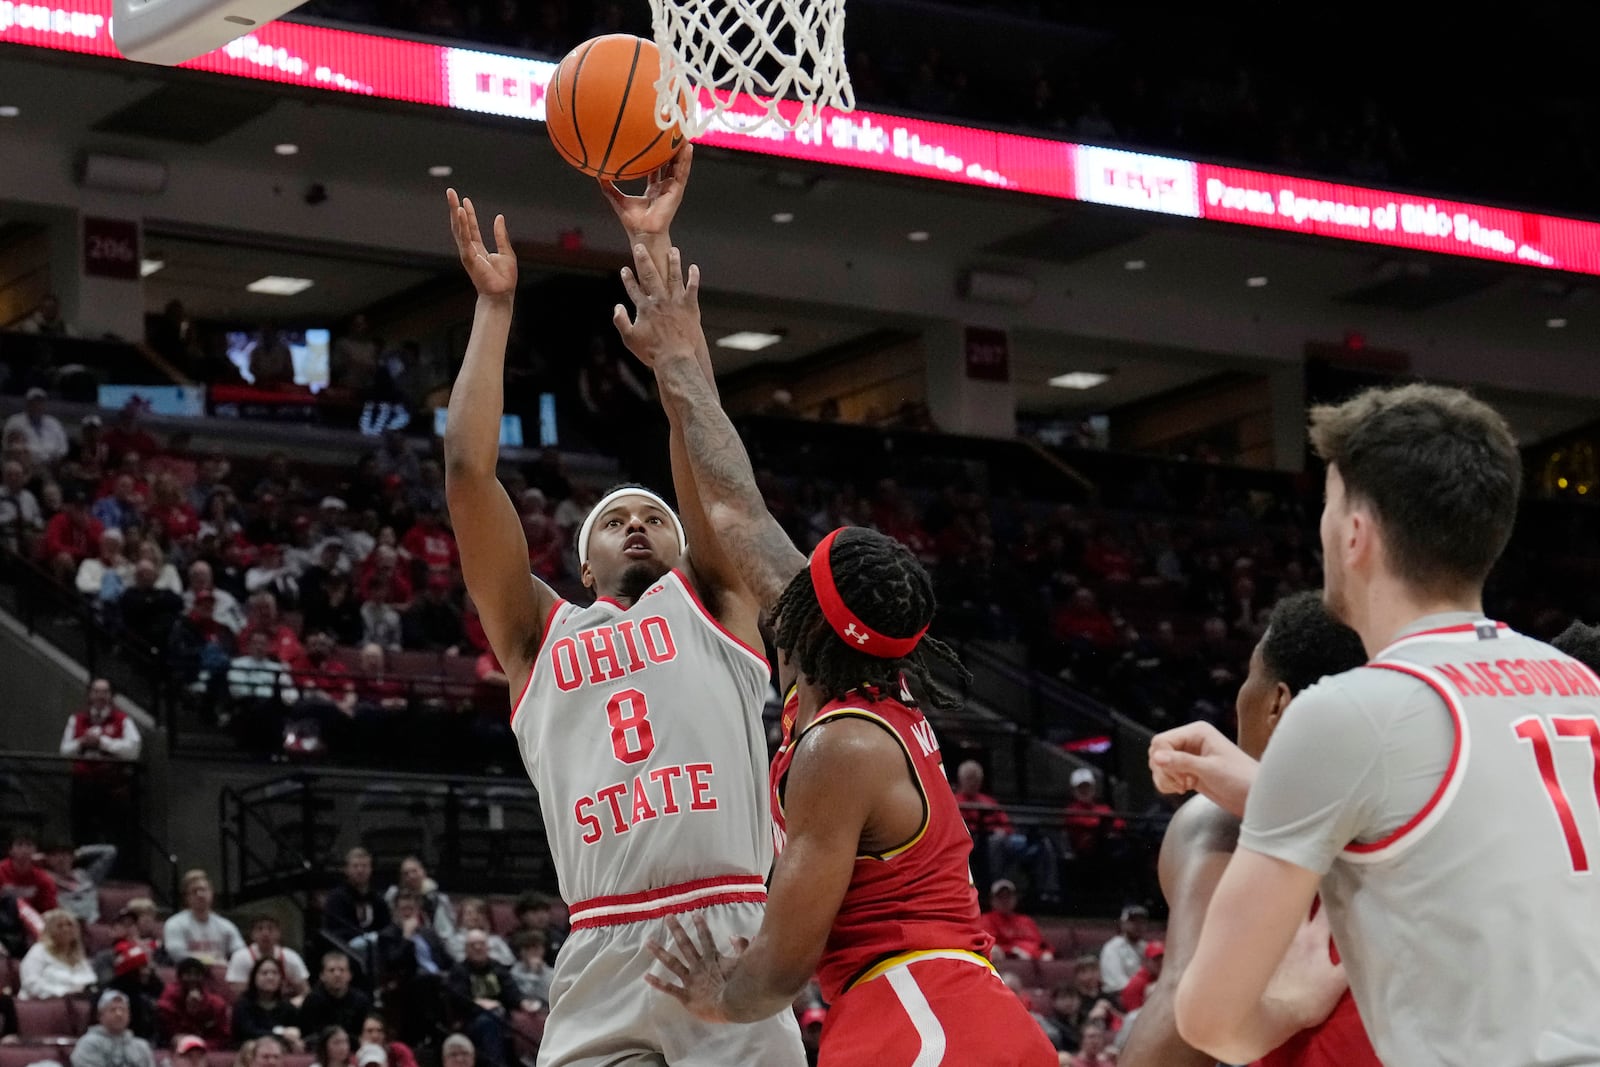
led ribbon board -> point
(465, 79)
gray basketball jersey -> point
(1471, 933)
(641, 729)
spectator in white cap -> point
(43, 434)
(372, 1056)
(1089, 822)
(109, 1043)
(189, 1051)
(1016, 936)
(1123, 955)
(459, 1051)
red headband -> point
(845, 622)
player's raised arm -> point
(647, 220)
(666, 335)
(494, 551)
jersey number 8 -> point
(632, 740)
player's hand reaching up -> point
(651, 215)
(1196, 757)
(666, 320)
(493, 273)
(701, 968)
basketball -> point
(601, 109)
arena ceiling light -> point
(1556, 324)
(1134, 264)
(1079, 379)
(276, 285)
(9, 111)
(1257, 281)
(286, 149)
(749, 340)
(148, 267)
(440, 171)
(783, 218)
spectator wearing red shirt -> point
(126, 435)
(1015, 935)
(23, 879)
(383, 581)
(320, 677)
(1138, 987)
(169, 512)
(472, 624)
(546, 548)
(1086, 821)
(71, 537)
(281, 639)
(1081, 619)
(375, 690)
(981, 812)
(430, 543)
(187, 1007)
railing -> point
(288, 835)
(65, 618)
(42, 794)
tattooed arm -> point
(666, 335)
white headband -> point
(610, 498)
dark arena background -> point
(1049, 307)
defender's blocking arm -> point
(666, 335)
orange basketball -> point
(601, 109)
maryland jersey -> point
(641, 729)
(916, 898)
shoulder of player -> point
(1200, 826)
(846, 744)
(1357, 693)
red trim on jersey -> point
(697, 904)
(609, 600)
(1458, 628)
(544, 635)
(1457, 718)
(635, 907)
(694, 598)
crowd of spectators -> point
(411, 972)
(1185, 83)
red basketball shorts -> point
(928, 1008)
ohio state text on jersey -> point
(641, 729)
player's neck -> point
(1390, 607)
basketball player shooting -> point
(871, 890)
(1302, 644)
(639, 724)
(1441, 797)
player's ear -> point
(1280, 700)
(585, 575)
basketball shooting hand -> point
(1307, 985)
(666, 320)
(494, 274)
(651, 214)
(701, 968)
(1196, 757)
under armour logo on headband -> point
(861, 638)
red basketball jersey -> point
(917, 897)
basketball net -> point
(772, 53)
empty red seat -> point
(1026, 970)
(27, 1055)
(97, 936)
(220, 1059)
(297, 1059)
(55, 1017)
(114, 896)
(1055, 972)
(527, 1030)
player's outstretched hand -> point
(1196, 757)
(493, 273)
(701, 968)
(1307, 985)
(666, 319)
(651, 214)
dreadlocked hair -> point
(888, 590)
